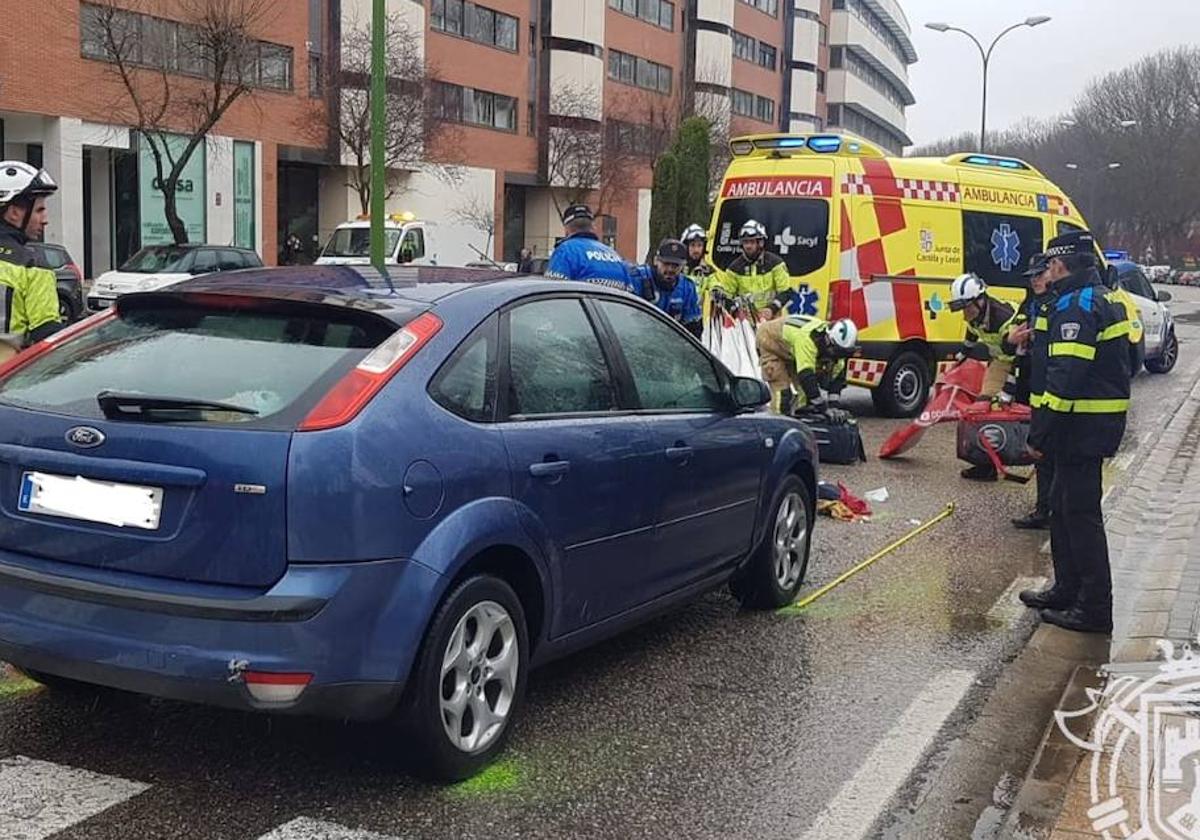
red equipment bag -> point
(995, 436)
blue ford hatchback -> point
(333, 492)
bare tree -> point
(417, 122)
(178, 78)
(478, 213)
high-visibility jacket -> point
(814, 371)
(1080, 375)
(985, 340)
(764, 280)
(29, 303)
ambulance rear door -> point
(793, 198)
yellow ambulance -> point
(878, 239)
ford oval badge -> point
(85, 437)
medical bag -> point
(996, 436)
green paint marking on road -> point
(14, 685)
(501, 777)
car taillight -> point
(268, 687)
(77, 270)
(348, 397)
(47, 344)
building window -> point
(474, 22)
(175, 47)
(842, 117)
(835, 58)
(742, 102)
(661, 13)
(643, 140)
(766, 56)
(770, 7)
(531, 119)
(820, 81)
(455, 103)
(764, 109)
(316, 83)
(874, 22)
(743, 46)
(876, 80)
(822, 33)
(631, 70)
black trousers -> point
(1077, 540)
(1045, 483)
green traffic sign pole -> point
(378, 118)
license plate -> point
(100, 303)
(105, 502)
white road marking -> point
(38, 798)
(304, 828)
(856, 807)
(1008, 608)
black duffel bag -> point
(837, 443)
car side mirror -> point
(1162, 297)
(749, 394)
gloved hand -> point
(837, 416)
(720, 297)
(1001, 401)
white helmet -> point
(965, 289)
(843, 335)
(752, 230)
(20, 180)
(693, 232)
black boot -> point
(1043, 599)
(787, 401)
(1077, 620)
(1036, 521)
(980, 472)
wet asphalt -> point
(711, 722)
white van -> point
(407, 241)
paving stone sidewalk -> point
(1153, 521)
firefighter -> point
(989, 320)
(30, 305)
(1027, 338)
(698, 267)
(675, 292)
(1080, 397)
(756, 274)
(810, 354)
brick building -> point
(521, 81)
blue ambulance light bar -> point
(998, 162)
(821, 143)
(825, 144)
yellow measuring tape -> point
(883, 552)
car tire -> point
(67, 312)
(1165, 361)
(486, 676)
(773, 575)
(905, 386)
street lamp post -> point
(986, 55)
(1092, 179)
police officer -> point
(810, 354)
(1080, 398)
(30, 307)
(696, 241)
(675, 292)
(988, 321)
(1029, 336)
(582, 256)
(756, 273)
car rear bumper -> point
(95, 303)
(355, 627)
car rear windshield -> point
(272, 363)
(157, 258)
(356, 242)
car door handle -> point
(550, 469)
(679, 454)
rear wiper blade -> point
(117, 405)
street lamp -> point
(1070, 123)
(986, 55)
(1091, 179)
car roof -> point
(189, 246)
(403, 290)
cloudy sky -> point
(1035, 72)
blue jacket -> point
(584, 257)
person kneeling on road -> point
(675, 293)
(810, 354)
(989, 320)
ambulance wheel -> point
(905, 386)
(1167, 358)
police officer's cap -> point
(578, 212)
(1071, 244)
(672, 251)
(1038, 263)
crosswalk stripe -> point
(40, 798)
(304, 828)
